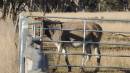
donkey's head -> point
(51, 26)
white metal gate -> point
(23, 31)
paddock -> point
(117, 42)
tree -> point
(125, 4)
(1, 3)
(14, 7)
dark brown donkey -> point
(67, 35)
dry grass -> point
(8, 51)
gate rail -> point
(88, 19)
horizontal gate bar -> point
(112, 67)
(108, 55)
(88, 19)
(107, 43)
(82, 30)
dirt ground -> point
(9, 52)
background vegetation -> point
(14, 7)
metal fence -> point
(23, 31)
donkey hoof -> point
(69, 70)
(96, 70)
(54, 69)
(82, 70)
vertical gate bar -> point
(41, 31)
(22, 44)
(20, 39)
(34, 30)
(84, 36)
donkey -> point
(67, 35)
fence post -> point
(23, 27)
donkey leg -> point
(66, 59)
(86, 58)
(84, 61)
(89, 52)
(82, 64)
(97, 52)
(59, 49)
